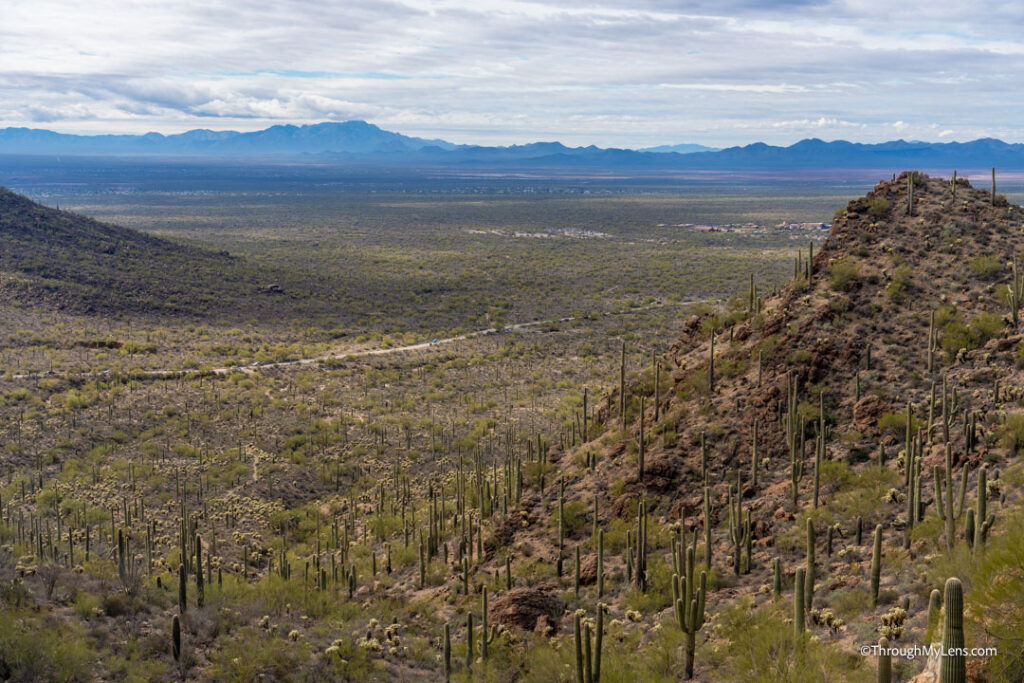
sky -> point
(614, 74)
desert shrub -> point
(659, 589)
(985, 266)
(800, 356)
(944, 314)
(761, 646)
(877, 206)
(35, 650)
(253, 654)
(896, 290)
(767, 347)
(958, 335)
(730, 367)
(842, 275)
(986, 326)
(575, 517)
(1011, 432)
(850, 603)
(894, 423)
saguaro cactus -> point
(640, 567)
(487, 635)
(910, 193)
(951, 510)
(876, 565)
(176, 637)
(711, 364)
(798, 604)
(739, 526)
(688, 601)
(934, 611)
(447, 652)
(884, 661)
(809, 576)
(983, 520)
(707, 528)
(182, 589)
(640, 453)
(200, 592)
(588, 657)
(953, 667)
(622, 388)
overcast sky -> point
(718, 72)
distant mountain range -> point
(359, 142)
(679, 149)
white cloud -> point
(602, 71)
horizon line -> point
(712, 147)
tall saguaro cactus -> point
(711, 364)
(910, 193)
(622, 388)
(640, 567)
(809, 576)
(876, 565)
(983, 519)
(952, 509)
(176, 637)
(953, 667)
(688, 600)
(798, 604)
(739, 526)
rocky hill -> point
(909, 313)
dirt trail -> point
(335, 355)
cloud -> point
(505, 71)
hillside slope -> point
(82, 264)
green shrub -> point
(985, 266)
(761, 646)
(896, 290)
(575, 517)
(958, 335)
(800, 356)
(843, 275)
(34, 649)
(1011, 432)
(252, 654)
(878, 206)
(896, 424)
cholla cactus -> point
(892, 623)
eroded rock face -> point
(522, 607)
(588, 569)
(660, 470)
(867, 411)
